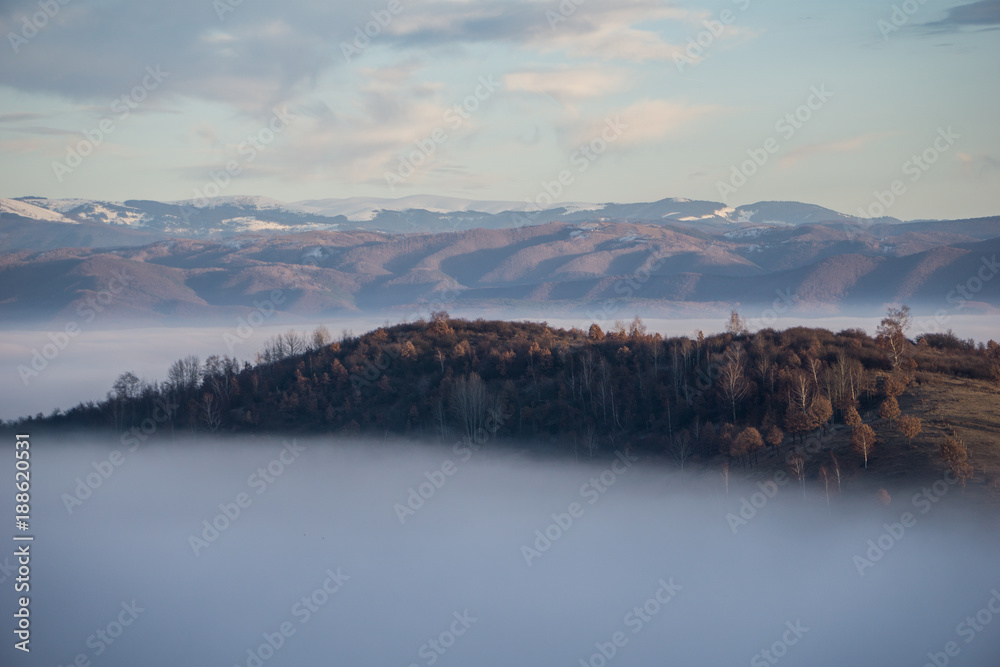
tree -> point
(211, 414)
(749, 441)
(595, 332)
(821, 411)
(469, 401)
(681, 448)
(909, 427)
(891, 333)
(835, 469)
(184, 374)
(736, 325)
(321, 337)
(825, 476)
(775, 436)
(732, 382)
(863, 441)
(889, 410)
(894, 384)
(797, 466)
(852, 418)
(956, 456)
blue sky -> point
(173, 100)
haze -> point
(332, 510)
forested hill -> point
(585, 392)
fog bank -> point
(263, 551)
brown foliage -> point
(956, 456)
(909, 427)
(852, 418)
(889, 409)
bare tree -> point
(825, 476)
(681, 448)
(469, 403)
(835, 469)
(863, 441)
(891, 333)
(797, 466)
(211, 413)
(732, 381)
(321, 337)
(736, 324)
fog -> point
(639, 565)
(86, 365)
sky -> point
(864, 107)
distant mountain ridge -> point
(230, 216)
(604, 269)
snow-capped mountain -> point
(242, 214)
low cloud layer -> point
(373, 553)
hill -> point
(756, 402)
(593, 268)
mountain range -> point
(213, 260)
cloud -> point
(977, 166)
(646, 121)
(21, 117)
(43, 130)
(982, 14)
(567, 85)
(806, 151)
(258, 56)
(596, 28)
